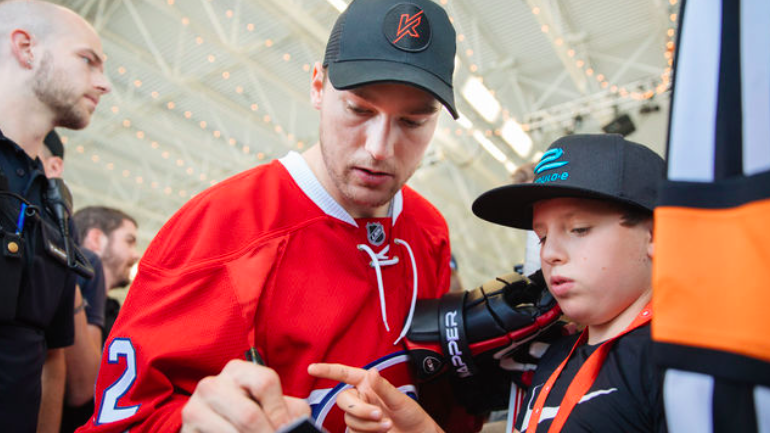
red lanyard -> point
(583, 379)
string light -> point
(139, 179)
(171, 105)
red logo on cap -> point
(408, 26)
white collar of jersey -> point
(307, 181)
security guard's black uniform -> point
(37, 288)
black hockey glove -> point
(483, 337)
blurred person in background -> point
(111, 234)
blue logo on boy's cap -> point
(549, 162)
(546, 161)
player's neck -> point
(314, 159)
(605, 331)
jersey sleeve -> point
(176, 327)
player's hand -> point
(374, 405)
(244, 397)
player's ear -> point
(317, 85)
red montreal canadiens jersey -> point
(268, 258)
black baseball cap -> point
(379, 41)
(54, 144)
(601, 166)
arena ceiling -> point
(204, 89)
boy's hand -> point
(244, 397)
(374, 405)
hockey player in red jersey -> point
(318, 257)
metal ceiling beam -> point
(299, 20)
(632, 59)
(602, 100)
(505, 63)
(628, 63)
(215, 24)
(104, 13)
(192, 87)
(237, 53)
(148, 40)
(550, 91)
(551, 15)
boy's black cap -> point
(54, 144)
(604, 167)
(410, 42)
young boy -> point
(591, 206)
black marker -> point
(253, 356)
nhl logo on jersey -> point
(375, 233)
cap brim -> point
(354, 73)
(511, 205)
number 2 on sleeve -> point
(109, 410)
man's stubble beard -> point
(344, 185)
(51, 88)
(113, 263)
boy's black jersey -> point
(626, 396)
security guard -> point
(51, 75)
(37, 299)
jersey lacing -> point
(381, 259)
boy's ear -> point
(651, 242)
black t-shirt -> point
(626, 396)
(36, 287)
